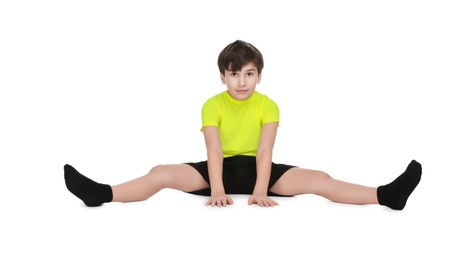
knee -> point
(320, 180)
(322, 183)
(322, 175)
(157, 169)
(159, 174)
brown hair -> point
(237, 54)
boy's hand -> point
(262, 200)
(220, 200)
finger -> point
(272, 203)
(260, 202)
(250, 201)
(266, 203)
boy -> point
(240, 126)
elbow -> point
(214, 153)
(263, 154)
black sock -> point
(395, 194)
(93, 194)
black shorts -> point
(239, 175)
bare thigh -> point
(176, 176)
(303, 181)
(298, 181)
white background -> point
(116, 87)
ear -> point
(259, 78)
(222, 77)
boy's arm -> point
(263, 165)
(215, 167)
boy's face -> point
(242, 83)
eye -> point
(234, 74)
(250, 74)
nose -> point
(241, 81)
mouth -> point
(241, 91)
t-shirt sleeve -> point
(270, 112)
(211, 115)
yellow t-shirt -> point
(239, 122)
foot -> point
(395, 194)
(93, 194)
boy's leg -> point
(181, 176)
(298, 181)
(176, 176)
(393, 195)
